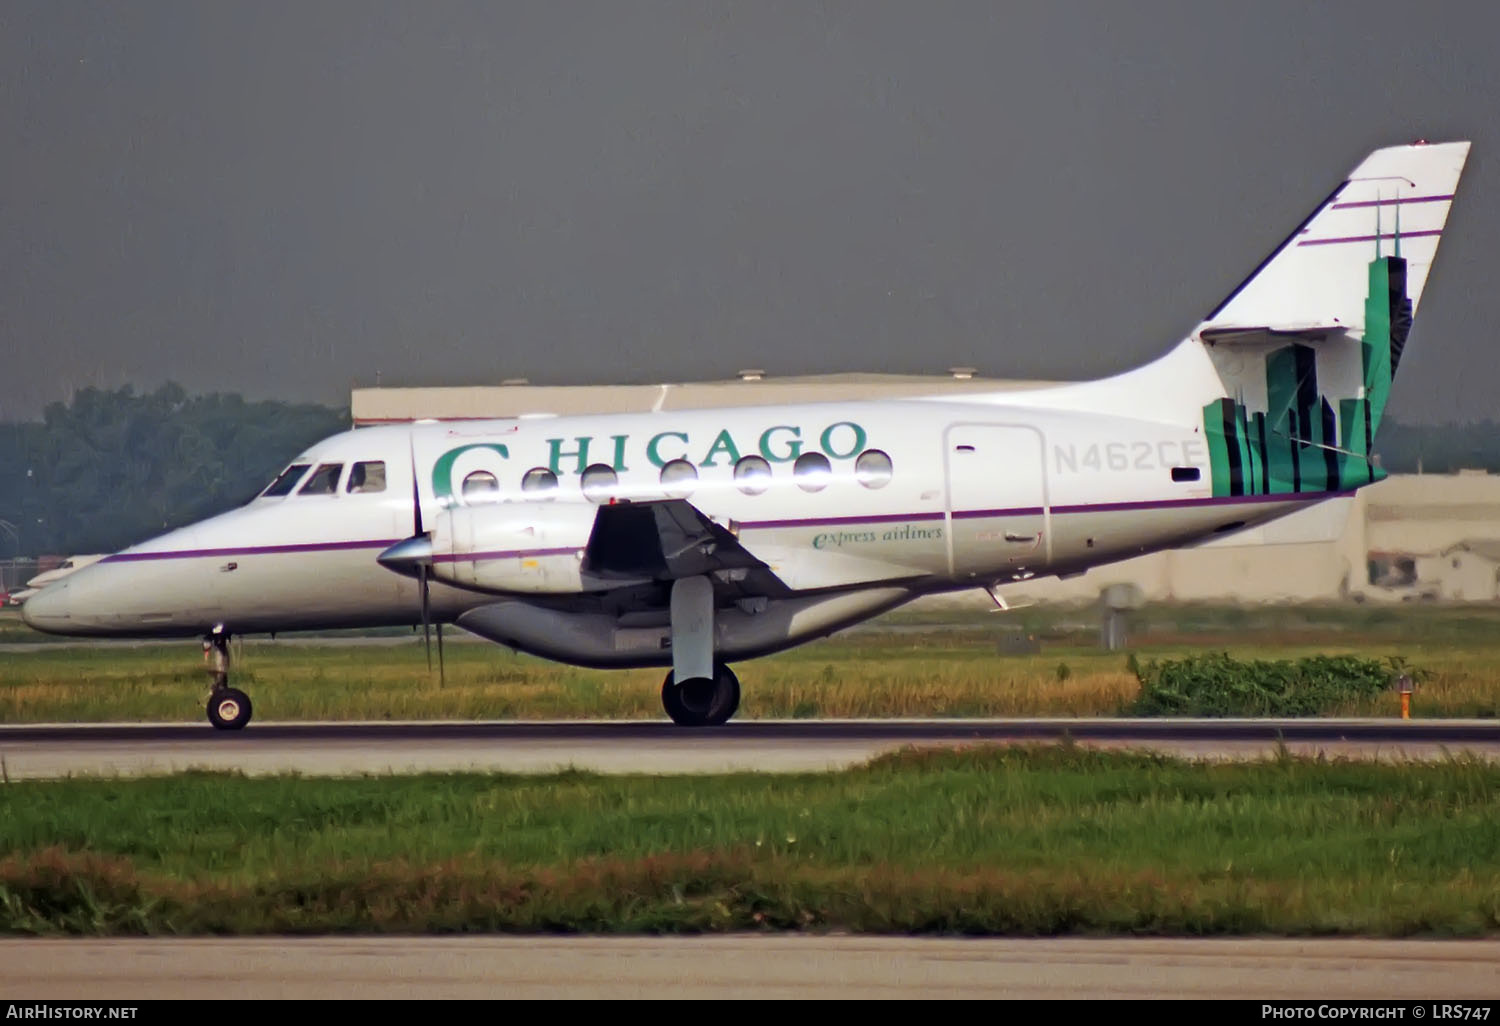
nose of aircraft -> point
(97, 601)
(48, 610)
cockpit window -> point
(367, 476)
(324, 480)
(286, 481)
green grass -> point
(978, 841)
(1213, 684)
(903, 665)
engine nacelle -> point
(741, 631)
(531, 548)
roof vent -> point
(751, 375)
(516, 381)
(962, 373)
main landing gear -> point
(228, 708)
(708, 692)
(702, 701)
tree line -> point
(111, 468)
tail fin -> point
(1307, 346)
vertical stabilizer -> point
(1289, 376)
(1307, 347)
(1394, 204)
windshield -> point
(286, 481)
(325, 480)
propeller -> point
(413, 557)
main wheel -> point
(701, 701)
(229, 709)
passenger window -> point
(286, 481)
(873, 469)
(812, 471)
(679, 478)
(539, 481)
(481, 486)
(367, 476)
(324, 480)
(598, 481)
(752, 475)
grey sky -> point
(283, 198)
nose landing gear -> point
(228, 708)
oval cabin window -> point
(752, 475)
(598, 481)
(539, 481)
(873, 469)
(481, 486)
(812, 471)
(679, 478)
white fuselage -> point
(958, 495)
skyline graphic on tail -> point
(1297, 444)
(1307, 347)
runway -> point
(338, 749)
(735, 966)
(384, 968)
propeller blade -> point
(426, 618)
(442, 677)
(418, 549)
(416, 497)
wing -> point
(667, 539)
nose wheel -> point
(228, 708)
(702, 701)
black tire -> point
(229, 709)
(702, 702)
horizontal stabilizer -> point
(1322, 523)
(1245, 334)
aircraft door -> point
(998, 517)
